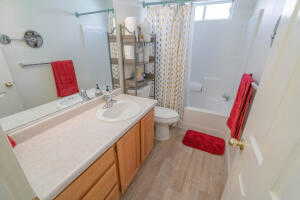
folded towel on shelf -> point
(241, 106)
(65, 78)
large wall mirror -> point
(35, 81)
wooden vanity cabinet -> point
(97, 182)
(133, 148)
(115, 169)
(129, 156)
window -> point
(215, 11)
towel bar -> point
(33, 64)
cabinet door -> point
(147, 135)
(128, 150)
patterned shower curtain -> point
(172, 26)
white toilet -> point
(164, 117)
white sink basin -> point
(122, 110)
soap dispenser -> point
(98, 91)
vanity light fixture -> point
(31, 38)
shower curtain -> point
(172, 26)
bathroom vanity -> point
(77, 156)
(116, 168)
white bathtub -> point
(203, 120)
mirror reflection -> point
(66, 60)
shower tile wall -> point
(217, 59)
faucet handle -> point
(107, 88)
(106, 91)
(97, 86)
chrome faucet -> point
(109, 101)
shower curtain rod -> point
(165, 2)
(77, 14)
(145, 4)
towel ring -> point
(32, 38)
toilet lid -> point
(165, 113)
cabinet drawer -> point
(79, 187)
(102, 188)
(114, 194)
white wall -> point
(63, 39)
(261, 49)
(127, 8)
(217, 56)
(13, 183)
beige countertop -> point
(60, 150)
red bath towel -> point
(65, 78)
(240, 109)
(244, 113)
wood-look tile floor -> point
(176, 172)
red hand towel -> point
(65, 78)
(241, 106)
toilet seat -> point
(165, 115)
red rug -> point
(204, 142)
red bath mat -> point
(204, 142)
